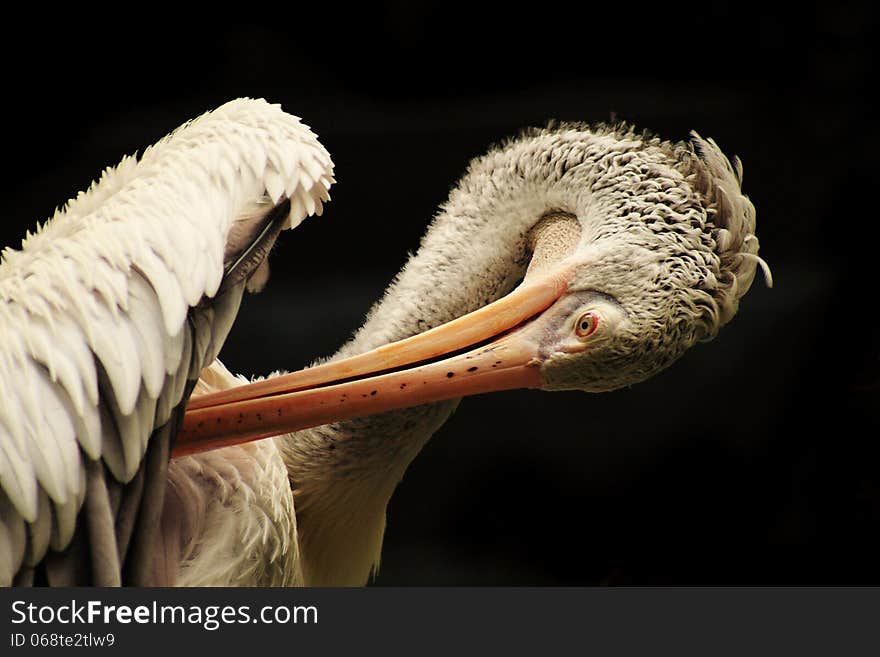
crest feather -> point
(720, 182)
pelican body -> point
(572, 257)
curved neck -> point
(464, 262)
(475, 252)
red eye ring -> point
(586, 324)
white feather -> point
(39, 530)
(88, 431)
(110, 279)
(274, 185)
(175, 382)
(13, 539)
(146, 318)
(17, 477)
(167, 289)
(113, 343)
(58, 362)
(57, 422)
(64, 525)
(44, 451)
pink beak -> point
(391, 377)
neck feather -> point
(476, 251)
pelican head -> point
(663, 268)
(639, 249)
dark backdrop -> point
(752, 461)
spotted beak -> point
(477, 353)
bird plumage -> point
(674, 210)
(229, 515)
(109, 316)
(660, 246)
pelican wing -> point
(109, 313)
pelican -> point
(570, 257)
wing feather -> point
(106, 569)
(112, 451)
(13, 540)
(167, 290)
(61, 366)
(17, 477)
(64, 524)
(39, 531)
(107, 316)
(68, 337)
(44, 452)
(57, 425)
(113, 345)
(146, 318)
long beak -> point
(384, 379)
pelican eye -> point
(587, 324)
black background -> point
(752, 461)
